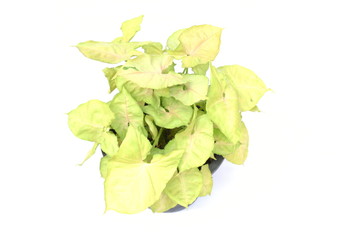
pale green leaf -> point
(91, 120)
(207, 181)
(90, 153)
(240, 154)
(109, 74)
(147, 72)
(249, 87)
(150, 63)
(185, 187)
(163, 204)
(201, 69)
(223, 145)
(172, 114)
(223, 106)
(134, 148)
(152, 127)
(138, 93)
(199, 44)
(173, 41)
(196, 141)
(132, 188)
(193, 91)
(153, 48)
(127, 111)
(109, 52)
(110, 144)
(130, 28)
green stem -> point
(156, 142)
(186, 70)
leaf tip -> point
(105, 211)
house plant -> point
(164, 124)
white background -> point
(301, 179)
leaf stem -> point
(186, 70)
(156, 142)
(90, 153)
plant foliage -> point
(163, 125)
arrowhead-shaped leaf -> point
(240, 154)
(127, 111)
(134, 148)
(193, 91)
(172, 114)
(109, 52)
(185, 187)
(249, 87)
(130, 28)
(199, 45)
(196, 141)
(131, 188)
(147, 72)
(223, 106)
(91, 120)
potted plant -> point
(173, 113)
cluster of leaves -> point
(163, 125)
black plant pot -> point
(213, 166)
